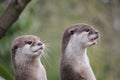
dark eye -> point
(72, 32)
(28, 42)
(87, 30)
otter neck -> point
(77, 53)
(30, 70)
(26, 62)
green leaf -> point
(4, 73)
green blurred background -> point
(48, 19)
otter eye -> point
(28, 42)
(87, 30)
(72, 32)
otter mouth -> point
(39, 49)
(93, 39)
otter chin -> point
(75, 62)
(26, 51)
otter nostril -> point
(39, 44)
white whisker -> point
(46, 54)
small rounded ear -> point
(15, 47)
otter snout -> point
(97, 35)
(93, 35)
(39, 43)
(37, 47)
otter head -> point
(26, 47)
(79, 35)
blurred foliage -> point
(5, 73)
(48, 19)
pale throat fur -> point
(75, 62)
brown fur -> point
(20, 42)
(67, 68)
(77, 28)
(30, 68)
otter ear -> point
(15, 47)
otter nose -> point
(39, 44)
(97, 34)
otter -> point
(74, 62)
(26, 51)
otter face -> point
(27, 46)
(82, 35)
(84, 38)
